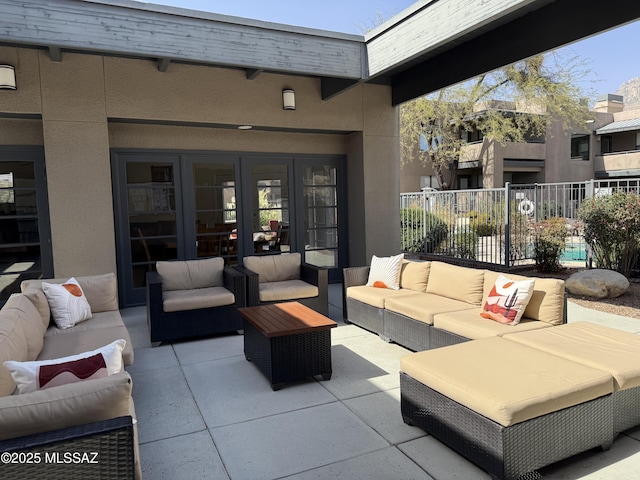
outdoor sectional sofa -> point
(439, 304)
(93, 415)
(517, 403)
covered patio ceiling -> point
(430, 45)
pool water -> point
(574, 252)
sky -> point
(611, 56)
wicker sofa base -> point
(97, 450)
(365, 316)
(508, 452)
(412, 334)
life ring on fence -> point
(526, 207)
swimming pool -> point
(574, 252)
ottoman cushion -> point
(597, 346)
(506, 381)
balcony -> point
(618, 164)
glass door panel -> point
(271, 214)
(215, 211)
(320, 194)
(20, 248)
(151, 201)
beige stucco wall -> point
(186, 108)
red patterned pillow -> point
(38, 375)
(507, 300)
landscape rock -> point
(597, 283)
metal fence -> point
(497, 225)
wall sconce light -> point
(7, 77)
(288, 99)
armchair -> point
(284, 278)
(193, 298)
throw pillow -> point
(507, 300)
(67, 302)
(385, 272)
(38, 375)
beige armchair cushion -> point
(505, 381)
(190, 274)
(286, 290)
(596, 346)
(275, 268)
(65, 406)
(181, 300)
(101, 290)
(29, 320)
(458, 283)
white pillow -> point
(67, 303)
(38, 375)
(385, 272)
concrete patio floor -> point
(204, 412)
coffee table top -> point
(287, 318)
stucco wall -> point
(90, 103)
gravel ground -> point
(627, 305)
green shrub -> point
(612, 229)
(412, 238)
(482, 224)
(464, 245)
(549, 242)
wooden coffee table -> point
(287, 342)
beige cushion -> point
(190, 274)
(376, 296)
(414, 275)
(457, 283)
(275, 268)
(546, 303)
(505, 381)
(423, 306)
(39, 300)
(469, 324)
(65, 406)
(101, 290)
(56, 346)
(180, 300)
(110, 319)
(30, 321)
(597, 346)
(13, 346)
(287, 290)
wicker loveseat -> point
(528, 399)
(93, 415)
(192, 298)
(439, 304)
(285, 278)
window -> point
(606, 144)
(429, 181)
(580, 147)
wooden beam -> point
(55, 53)
(153, 31)
(536, 32)
(252, 73)
(163, 64)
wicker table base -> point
(287, 342)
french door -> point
(188, 205)
(25, 235)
